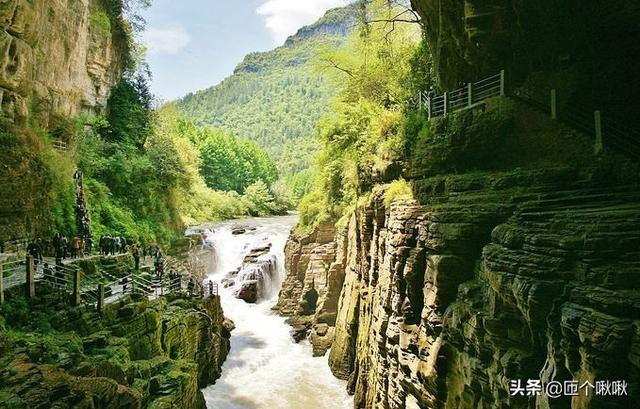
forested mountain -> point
(276, 97)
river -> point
(265, 368)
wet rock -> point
(238, 230)
(314, 277)
(248, 291)
(171, 349)
(228, 325)
(255, 254)
(256, 276)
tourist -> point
(77, 176)
(115, 241)
(191, 287)
(75, 247)
(108, 245)
(40, 249)
(33, 251)
(58, 249)
(88, 245)
(65, 247)
(159, 265)
(56, 242)
(123, 244)
(135, 251)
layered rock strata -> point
(494, 278)
(314, 265)
(140, 354)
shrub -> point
(398, 190)
(100, 23)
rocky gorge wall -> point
(493, 277)
(314, 276)
(584, 49)
(151, 354)
(58, 58)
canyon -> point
(526, 269)
(495, 277)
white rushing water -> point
(265, 368)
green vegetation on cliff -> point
(146, 172)
(139, 353)
(363, 138)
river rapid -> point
(265, 368)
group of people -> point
(112, 244)
(75, 247)
(153, 251)
(60, 247)
(82, 214)
(63, 248)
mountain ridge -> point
(279, 91)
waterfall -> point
(265, 368)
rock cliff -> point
(586, 50)
(58, 59)
(140, 354)
(309, 294)
(494, 277)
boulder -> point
(248, 291)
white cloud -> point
(284, 17)
(165, 40)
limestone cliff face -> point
(58, 58)
(592, 43)
(155, 354)
(309, 294)
(496, 277)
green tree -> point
(259, 199)
(229, 163)
(362, 140)
(129, 114)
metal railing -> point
(469, 96)
(100, 287)
(607, 130)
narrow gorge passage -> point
(265, 368)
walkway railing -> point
(469, 96)
(606, 130)
(60, 145)
(97, 289)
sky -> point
(195, 44)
